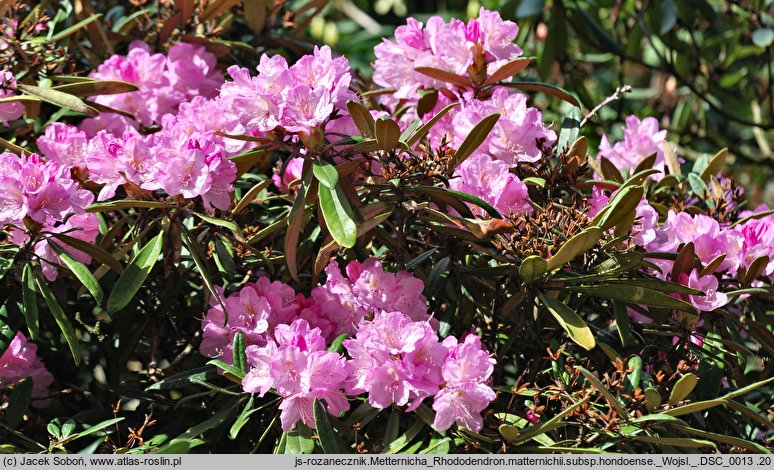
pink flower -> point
(12, 109)
(712, 298)
(297, 366)
(20, 361)
(64, 144)
(298, 99)
(163, 81)
(475, 50)
(292, 173)
(492, 181)
(43, 191)
(395, 360)
(641, 140)
(518, 136)
(645, 222)
(466, 371)
(368, 290)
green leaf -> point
(97, 87)
(219, 222)
(326, 174)
(77, 26)
(338, 215)
(337, 344)
(251, 195)
(6, 332)
(460, 195)
(189, 377)
(532, 268)
(80, 271)
(683, 388)
(404, 439)
(126, 204)
(622, 322)
(474, 139)
(533, 432)
(60, 99)
(546, 88)
(362, 118)
(299, 441)
(387, 133)
(634, 295)
(715, 165)
(231, 369)
(577, 245)
(325, 432)
(60, 317)
(30, 301)
(611, 400)
(92, 250)
(652, 399)
(570, 129)
(572, 323)
(238, 352)
(134, 275)
(18, 403)
(242, 419)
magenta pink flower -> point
(12, 109)
(20, 361)
(518, 136)
(292, 173)
(368, 290)
(645, 222)
(452, 47)
(712, 298)
(298, 99)
(466, 371)
(42, 191)
(395, 360)
(492, 181)
(641, 140)
(64, 144)
(297, 366)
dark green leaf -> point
(134, 275)
(80, 271)
(97, 87)
(30, 301)
(326, 433)
(18, 403)
(61, 319)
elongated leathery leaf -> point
(61, 319)
(134, 275)
(338, 215)
(572, 323)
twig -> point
(619, 92)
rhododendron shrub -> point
(274, 253)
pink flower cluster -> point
(164, 82)
(36, 192)
(12, 109)
(399, 361)
(518, 136)
(473, 50)
(641, 140)
(294, 362)
(396, 357)
(298, 99)
(20, 361)
(178, 160)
